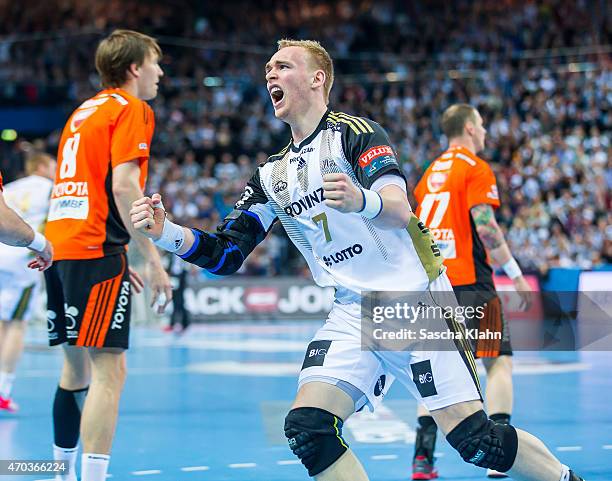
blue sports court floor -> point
(209, 405)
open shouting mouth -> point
(277, 95)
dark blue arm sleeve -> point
(223, 252)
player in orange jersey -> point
(102, 167)
(457, 195)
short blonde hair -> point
(320, 57)
(35, 159)
(455, 117)
(118, 51)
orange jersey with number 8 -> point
(107, 130)
(453, 184)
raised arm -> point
(387, 205)
(381, 193)
(221, 252)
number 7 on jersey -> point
(322, 218)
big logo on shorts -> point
(315, 353)
(422, 376)
(122, 304)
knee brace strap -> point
(484, 443)
(315, 436)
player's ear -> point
(318, 79)
(469, 127)
(134, 70)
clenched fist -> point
(341, 193)
(148, 216)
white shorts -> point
(436, 379)
(17, 297)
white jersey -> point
(29, 197)
(346, 251)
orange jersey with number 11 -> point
(107, 130)
(453, 184)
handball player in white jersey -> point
(339, 192)
(19, 286)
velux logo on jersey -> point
(374, 159)
(305, 203)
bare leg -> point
(333, 399)
(75, 371)
(99, 417)
(449, 417)
(534, 461)
(11, 344)
(499, 384)
(422, 410)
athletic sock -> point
(568, 475)
(565, 473)
(6, 384)
(500, 418)
(425, 443)
(67, 407)
(94, 466)
(426, 421)
(69, 455)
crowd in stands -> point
(538, 70)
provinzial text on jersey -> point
(305, 203)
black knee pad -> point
(485, 443)
(315, 436)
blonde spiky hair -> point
(319, 56)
